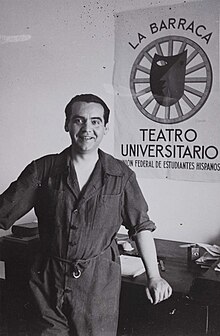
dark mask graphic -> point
(167, 78)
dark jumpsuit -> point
(76, 277)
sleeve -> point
(135, 209)
(19, 197)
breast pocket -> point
(104, 207)
(107, 211)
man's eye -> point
(96, 122)
(78, 121)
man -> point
(81, 198)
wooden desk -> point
(181, 274)
(196, 293)
(18, 258)
(189, 283)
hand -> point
(158, 290)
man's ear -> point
(66, 127)
(106, 128)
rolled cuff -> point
(149, 226)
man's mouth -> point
(86, 138)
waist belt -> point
(79, 265)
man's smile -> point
(86, 138)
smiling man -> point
(81, 198)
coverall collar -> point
(106, 162)
(110, 166)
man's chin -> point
(86, 149)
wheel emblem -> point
(171, 79)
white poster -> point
(166, 82)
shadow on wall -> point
(216, 239)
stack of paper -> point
(25, 229)
(212, 254)
(217, 267)
(131, 266)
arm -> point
(136, 220)
(157, 288)
(18, 198)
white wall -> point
(54, 49)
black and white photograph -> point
(110, 168)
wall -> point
(52, 50)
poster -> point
(166, 83)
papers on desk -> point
(212, 254)
(213, 250)
(131, 266)
(206, 260)
(217, 267)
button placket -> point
(73, 227)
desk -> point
(196, 293)
(178, 272)
(189, 283)
(18, 258)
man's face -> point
(86, 126)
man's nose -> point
(87, 126)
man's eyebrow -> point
(77, 116)
(97, 118)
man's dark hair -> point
(87, 98)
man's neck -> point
(81, 158)
(84, 164)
